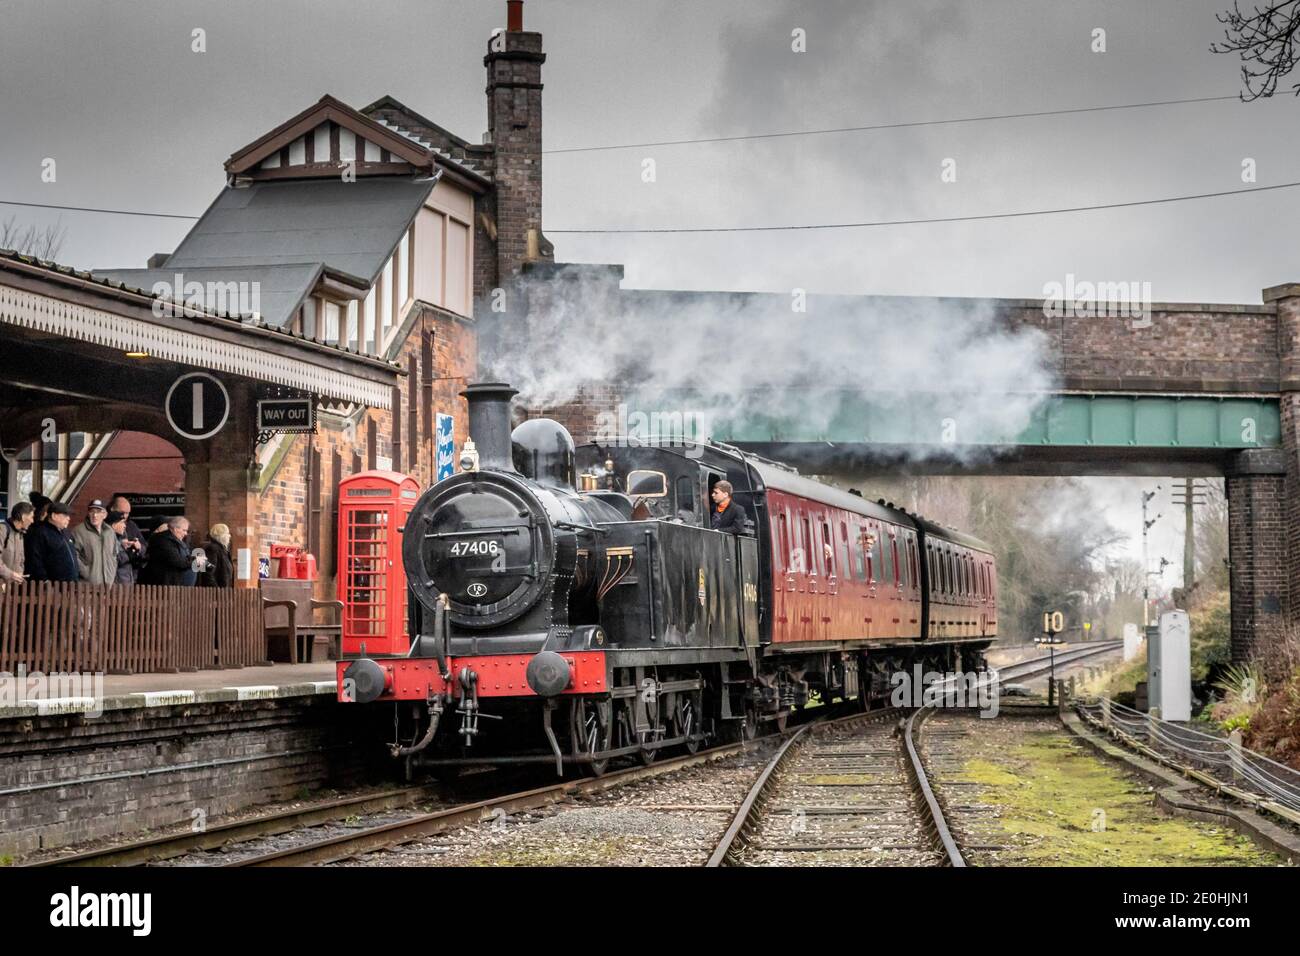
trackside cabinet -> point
(373, 507)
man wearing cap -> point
(96, 546)
(50, 555)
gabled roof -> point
(327, 110)
(350, 227)
(447, 146)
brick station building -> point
(350, 250)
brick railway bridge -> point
(1190, 390)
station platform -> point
(94, 694)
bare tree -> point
(1265, 39)
(1212, 536)
(31, 241)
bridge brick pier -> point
(1187, 389)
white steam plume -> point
(944, 376)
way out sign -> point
(285, 414)
(197, 406)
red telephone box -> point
(373, 506)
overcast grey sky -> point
(136, 120)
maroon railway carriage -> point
(579, 600)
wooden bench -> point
(293, 634)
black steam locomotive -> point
(574, 605)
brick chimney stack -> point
(514, 91)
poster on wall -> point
(446, 447)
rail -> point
(1221, 762)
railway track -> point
(856, 791)
(336, 830)
(851, 792)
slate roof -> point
(349, 227)
(280, 289)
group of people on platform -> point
(107, 547)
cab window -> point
(686, 495)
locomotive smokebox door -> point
(373, 508)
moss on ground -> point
(1062, 806)
(584, 852)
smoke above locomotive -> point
(955, 375)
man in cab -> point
(727, 515)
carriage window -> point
(859, 556)
(805, 544)
(783, 540)
(899, 573)
(843, 548)
(828, 549)
(887, 564)
(911, 561)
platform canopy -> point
(67, 327)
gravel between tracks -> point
(672, 820)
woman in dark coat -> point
(221, 570)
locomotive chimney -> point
(489, 423)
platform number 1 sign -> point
(197, 406)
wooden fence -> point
(62, 627)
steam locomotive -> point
(573, 605)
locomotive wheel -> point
(749, 727)
(594, 731)
(780, 721)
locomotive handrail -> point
(510, 529)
